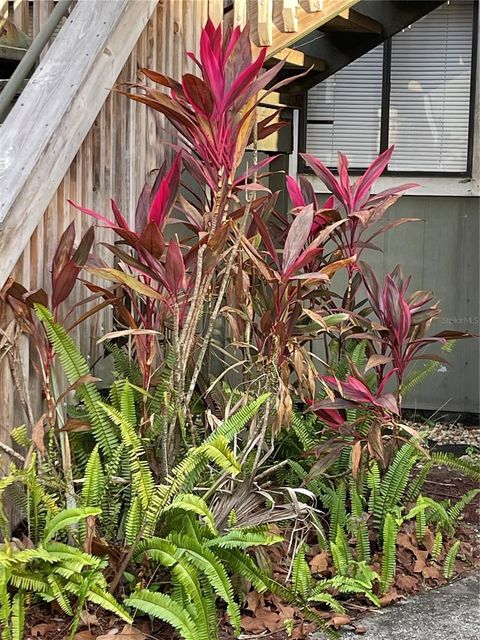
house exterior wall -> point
(441, 251)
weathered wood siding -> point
(114, 161)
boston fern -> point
(200, 560)
(54, 572)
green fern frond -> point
(458, 508)
(94, 484)
(75, 366)
(338, 510)
(304, 431)
(449, 564)
(235, 423)
(327, 598)
(163, 607)
(437, 546)
(301, 574)
(134, 520)
(389, 563)
(195, 504)
(67, 518)
(468, 469)
(416, 377)
(238, 539)
(394, 483)
(359, 525)
(206, 562)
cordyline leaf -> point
(174, 268)
(344, 178)
(198, 94)
(295, 193)
(297, 237)
(393, 191)
(166, 194)
(152, 240)
(259, 262)
(93, 214)
(82, 252)
(376, 360)
(324, 463)
(115, 275)
(266, 237)
(387, 401)
(391, 225)
(333, 267)
(254, 169)
(63, 253)
(371, 175)
(326, 176)
(119, 219)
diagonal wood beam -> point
(44, 130)
(297, 58)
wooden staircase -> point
(322, 35)
(277, 24)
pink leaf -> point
(327, 177)
(166, 194)
(174, 268)
(374, 171)
(295, 193)
(93, 214)
(297, 236)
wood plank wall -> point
(115, 159)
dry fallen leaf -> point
(431, 572)
(84, 635)
(359, 628)
(406, 583)
(390, 597)
(89, 619)
(421, 561)
(42, 628)
(254, 601)
(127, 633)
(319, 563)
(339, 620)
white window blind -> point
(430, 91)
(429, 100)
(344, 112)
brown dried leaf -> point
(356, 459)
(38, 433)
(339, 620)
(86, 635)
(421, 561)
(406, 582)
(390, 597)
(127, 633)
(41, 629)
(319, 563)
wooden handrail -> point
(44, 130)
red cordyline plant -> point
(351, 199)
(215, 114)
(67, 263)
(399, 336)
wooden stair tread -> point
(270, 19)
(13, 42)
(354, 21)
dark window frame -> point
(385, 114)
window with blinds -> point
(344, 112)
(429, 111)
(430, 91)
